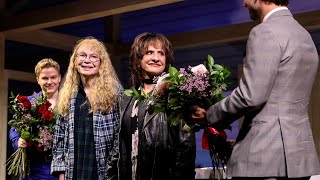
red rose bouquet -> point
(34, 120)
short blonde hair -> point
(46, 63)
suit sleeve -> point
(260, 69)
(58, 160)
(14, 138)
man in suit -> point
(275, 141)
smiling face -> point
(153, 62)
(87, 61)
(49, 80)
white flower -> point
(200, 70)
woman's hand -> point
(61, 176)
(22, 143)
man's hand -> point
(22, 143)
(61, 176)
(197, 116)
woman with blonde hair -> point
(89, 113)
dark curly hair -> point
(278, 2)
(139, 49)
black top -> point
(129, 127)
(85, 163)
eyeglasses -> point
(92, 57)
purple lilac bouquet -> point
(177, 91)
(35, 121)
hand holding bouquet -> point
(34, 120)
(177, 91)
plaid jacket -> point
(104, 129)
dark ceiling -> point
(170, 19)
(186, 16)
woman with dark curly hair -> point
(149, 148)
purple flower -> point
(196, 84)
(183, 71)
(46, 138)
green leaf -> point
(210, 60)
(174, 118)
(214, 72)
(128, 92)
(174, 101)
(186, 128)
(12, 95)
(218, 67)
(12, 122)
(25, 135)
(168, 79)
(172, 70)
(159, 109)
(136, 93)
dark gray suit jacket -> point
(278, 74)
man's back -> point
(276, 138)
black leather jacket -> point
(165, 152)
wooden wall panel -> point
(112, 36)
(3, 109)
(45, 39)
(20, 76)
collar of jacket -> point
(126, 101)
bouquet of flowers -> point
(177, 91)
(34, 120)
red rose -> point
(42, 108)
(25, 101)
(29, 144)
(27, 104)
(38, 147)
(22, 99)
(47, 115)
(48, 104)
